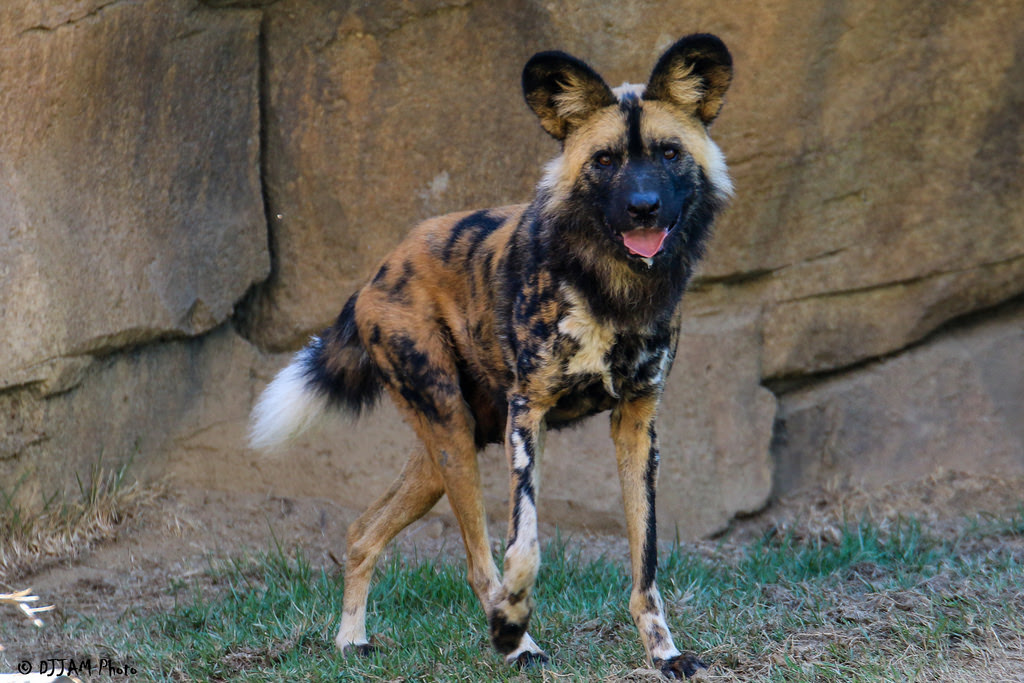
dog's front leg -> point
(513, 603)
(637, 454)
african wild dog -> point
(494, 325)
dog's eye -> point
(603, 159)
(670, 153)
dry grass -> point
(63, 526)
(944, 628)
(954, 612)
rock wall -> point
(188, 189)
(130, 185)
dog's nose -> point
(643, 205)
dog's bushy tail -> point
(333, 371)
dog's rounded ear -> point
(563, 91)
(693, 74)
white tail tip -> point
(287, 407)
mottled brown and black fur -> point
(494, 325)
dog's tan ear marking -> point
(563, 91)
(693, 74)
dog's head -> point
(637, 162)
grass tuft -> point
(65, 526)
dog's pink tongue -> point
(645, 242)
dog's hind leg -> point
(411, 496)
(637, 454)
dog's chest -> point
(588, 349)
(600, 363)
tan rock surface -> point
(956, 402)
(876, 151)
(130, 199)
(141, 405)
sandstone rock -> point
(877, 156)
(879, 173)
(836, 329)
(379, 115)
(130, 200)
(876, 152)
(139, 404)
(956, 401)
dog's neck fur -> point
(627, 294)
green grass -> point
(897, 606)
